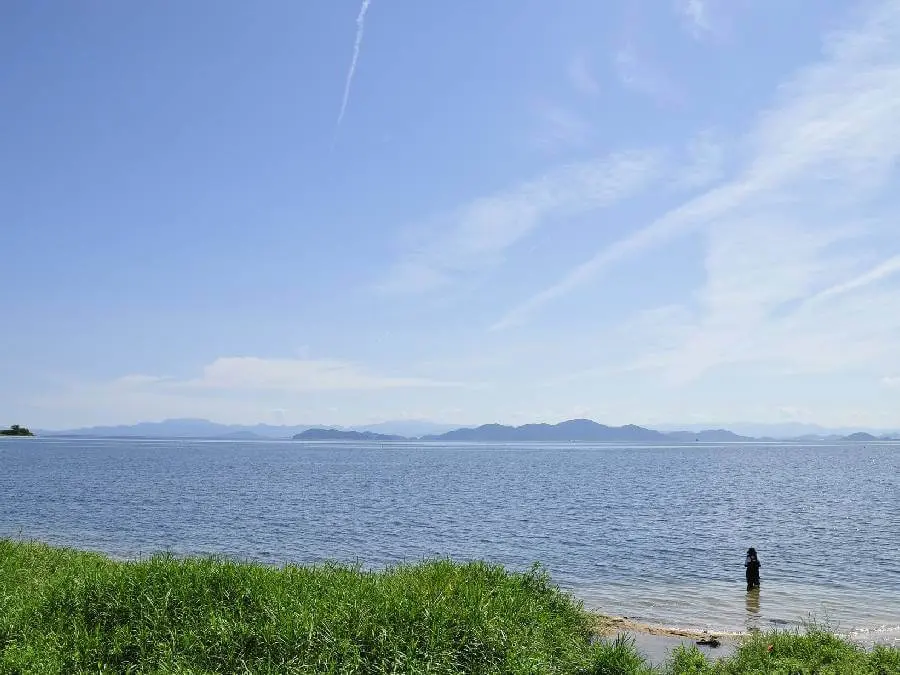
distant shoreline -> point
(431, 441)
(569, 431)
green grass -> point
(65, 611)
(813, 651)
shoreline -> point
(73, 610)
(656, 642)
(609, 626)
(603, 625)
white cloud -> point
(696, 16)
(299, 375)
(673, 223)
(357, 44)
(704, 162)
(892, 382)
(753, 270)
(138, 381)
(712, 20)
(755, 314)
(820, 157)
(879, 273)
(250, 373)
(239, 390)
(477, 235)
(638, 73)
(562, 128)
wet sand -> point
(658, 648)
(656, 643)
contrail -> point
(360, 26)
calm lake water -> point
(653, 533)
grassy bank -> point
(68, 611)
(815, 652)
(64, 611)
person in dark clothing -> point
(752, 564)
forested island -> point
(15, 430)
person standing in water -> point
(752, 564)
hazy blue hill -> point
(341, 435)
(273, 431)
(795, 431)
(172, 427)
(571, 430)
(486, 432)
(708, 436)
(860, 437)
(409, 428)
(200, 428)
(185, 428)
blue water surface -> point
(656, 533)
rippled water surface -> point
(654, 533)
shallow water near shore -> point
(657, 534)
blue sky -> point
(648, 212)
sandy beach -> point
(656, 642)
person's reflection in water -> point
(752, 604)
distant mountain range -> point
(184, 428)
(571, 430)
(200, 428)
(786, 430)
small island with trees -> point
(15, 430)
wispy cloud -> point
(879, 273)
(478, 234)
(566, 125)
(696, 16)
(250, 373)
(754, 272)
(241, 390)
(561, 128)
(777, 234)
(704, 162)
(357, 45)
(711, 20)
(638, 73)
(673, 223)
(823, 154)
